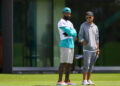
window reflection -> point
(32, 33)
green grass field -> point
(104, 79)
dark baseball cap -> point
(90, 13)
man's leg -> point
(84, 82)
(61, 69)
(86, 64)
(67, 72)
(62, 64)
(88, 75)
(86, 67)
(92, 62)
(70, 55)
(84, 75)
(88, 79)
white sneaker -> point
(90, 82)
(61, 83)
(85, 82)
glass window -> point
(33, 33)
(58, 6)
(44, 33)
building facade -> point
(29, 35)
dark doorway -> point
(0, 37)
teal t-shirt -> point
(67, 43)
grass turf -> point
(103, 79)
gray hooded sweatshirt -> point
(90, 34)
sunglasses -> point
(88, 17)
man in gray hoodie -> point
(89, 37)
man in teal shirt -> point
(67, 36)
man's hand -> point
(98, 52)
(84, 42)
(76, 39)
(65, 34)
